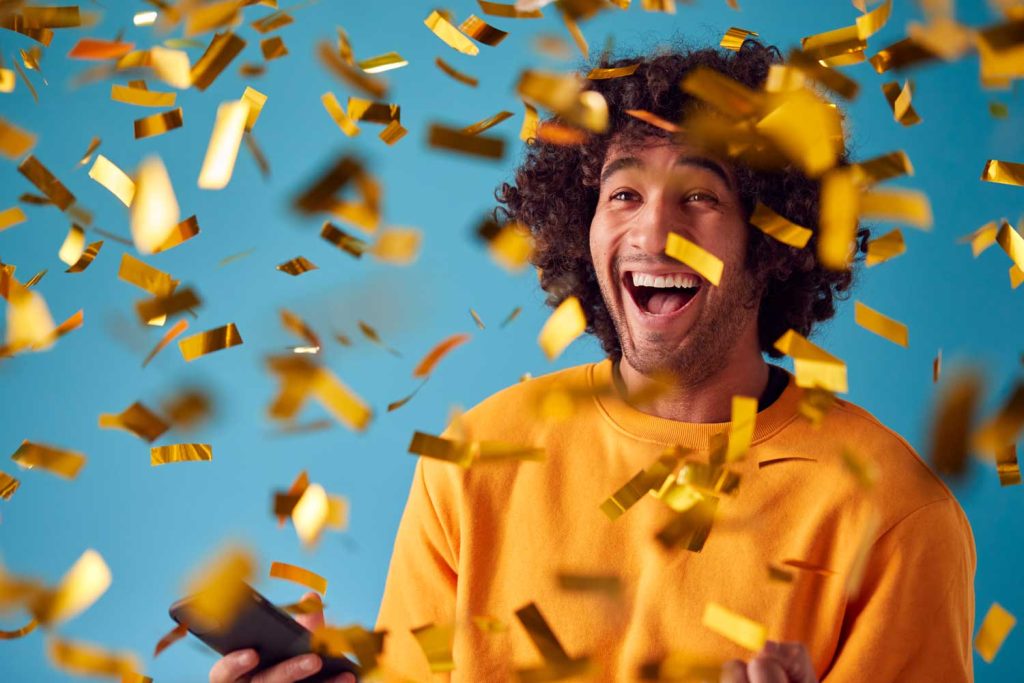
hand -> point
(776, 663)
(233, 667)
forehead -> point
(657, 153)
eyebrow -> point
(707, 164)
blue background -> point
(153, 525)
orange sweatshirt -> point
(488, 540)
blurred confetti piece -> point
(349, 73)
(885, 247)
(838, 218)
(73, 246)
(8, 485)
(155, 311)
(744, 632)
(426, 366)
(168, 337)
(476, 319)
(171, 66)
(310, 514)
(908, 206)
(1012, 243)
(653, 119)
(400, 246)
(1002, 430)
(137, 419)
(452, 37)
(333, 107)
(80, 587)
(510, 245)
(455, 140)
(85, 659)
(180, 452)
(371, 333)
(512, 316)
(564, 325)
(170, 638)
(273, 48)
(489, 122)
(644, 481)
(780, 228)
(158, 124)
(29, 323)
(225, 140)
(107, 174)
(482, 32)
(1005, 172)
(293, 494)
(602, 74)
(814, 367)
(605, 584)
(741, 427)
(93, 146)
(87, 257)
(154, 210)
(20, 632)
(883, 167)
(204, 343)
(436, 641)
(256, 101)
(63, 463)
(382, 63)
(540, 633)
(882, 325)
(468, 453)
(899, 101)
(952, 419)
(704, 262)
(46, 182)
(528, 131)
(219, 588)
(1007, 466)
(92, 48)
(223, 48)
(297, 326)
(395, 405)
(508, 10)
(303, 577)
(11, 217)
(182, 232)
(734, 37)
(307, 605)
(296, 266)
(142, 97)
(6, 80)
(993, 632)
(344, 241)
(145, 276)
(457, 75)
(14, 142)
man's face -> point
(668, 318)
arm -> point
(421, 581)
(913, 617)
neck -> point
(706, 400)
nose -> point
(649, 230)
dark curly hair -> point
(555, 194)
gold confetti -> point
(899, 101)
(341, 239)
(998, 110)
(814, 367)
(222, 152)
(1002, 430)
(159, 307)
(8, 485)
(6, 80)
(204, 343)
(349, 73)
(734, 37)
(509, 11)
(14, 142)
(154, 210)
(171, 66)
(392, 133)
(321, 196)
(107, 174)
(780, 228)
(653, 119)
(607, 584)
(312, 514)
(704, 262)
(557, 134)
(1007, 466)
(908, 206)
(830, 78)
(87, 257)
(510, 245)
(400, 246)
(901, 55)
(741, 427)
(170, 638)
(395, 405)
(333, 107)
(459, 76)
(993, 632)
(838, 219)
(565, 324)
(296, 266)
(46, 182)
(882, 325)
(73, 246)
(512, 316)
(11, 217)
(20, 632)
(61, 462)
(272, 22)
(92, 48)
(301, 378)
(745, 632)
(297, 326)
(29, 323)
(255, 99)
(144, 18)
(84, 659)
(485, 124)
(885, 247)
(28, 83)
(366, 645)
(310, 604)
(1005, 172)
(426, 366)
(444, 30)
(951, 422)
(182, 232)
(937, 366)
(382, 63)
(304, 577)
(168, 337)
(158, 124)
(600, 74)
(436, 642)
(273, 48)
(456, 140)
(557, 663)
(468, 453)
(219, 589)
(223, 48)
(528, 131)
(180, 452)
(476, 319)
(145, 276)
(81, 586)
(93, 146)
(482, 32)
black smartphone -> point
(266, 628)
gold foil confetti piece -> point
(882, 325)
(309, 516)
(508, 11)
(780, 228)
(93, 146)
(814, 367)
(482, 32)
(943, 36)
(1000, 53)
(147, 18)
(1005, 172)
(443, 29)
(333, 107)
(6, 80)
(82, 585)
(8, 485)
(837, 43)
(606, 584)
(63, 463)
(951, 422)
(400, 246)
(653, 119)
(298, 327)
(160, 307)
(374, 336)
(540, 633)
(171, 334)
(489, 624)
(344, 404)
(321, 196)
(294, 492)
(170, 638)
(1007, 466)
(73, 246)
(204, 343)
(1016, 276)
(365, 645)
(172, 66)
(14, 142)
(180, 452)
(85, 659)
(158, 124)
(510, 245)
(92, 48)
(476, 319)
(272, 22)
(512, 316)
(87, 257)
(780, 574)
(211, 16)
(273, 48)
(35, 278)
(728, 96)
(436, 641)
(237, 256)
(838, 218)
(872, 22)
(426, 366)
(29, 323)
(665, 6)
(107, 174)
(455, 140)
(734, 37)
(187, 409)
(392, 133)
(901, 55)
(382, 63)
(485, 124)
(219, 588)
(351, 74)
(806, 129)
(154, 210)
(745, 632)
(296, 266)
(255, 99)
(307, 605)
(303, 577)
(459, 76)
(741, 427)
(344, 241)
(998, 110)
(908, 206)
(395, 405)
(1003, 428)
(467, 453)
(181, 232)
(885, 247)
(704, 262)
(360, 109)
(899, 101)
(46, 182)
(257, 154)
(145, 276)
(565, 324)
(829, 78)
(600, 74)
(557, 134)
(937, 366)
(528, 131)
(993, 632)
(223, 48)
(20, 632)
(27, 82)
(222, 151)
(810, 567)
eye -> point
(623, 196)
(700, 196)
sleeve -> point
(914, 615)
(421, 582)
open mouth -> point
(663, 294)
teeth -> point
(665, 281)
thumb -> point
(315, 619)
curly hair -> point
(555, 194)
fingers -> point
(763, 669)
(794, 660)
(294, 669)
(316, 619)
(734, 671)
(343, 678)
(233, 666)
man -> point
(834, 536)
